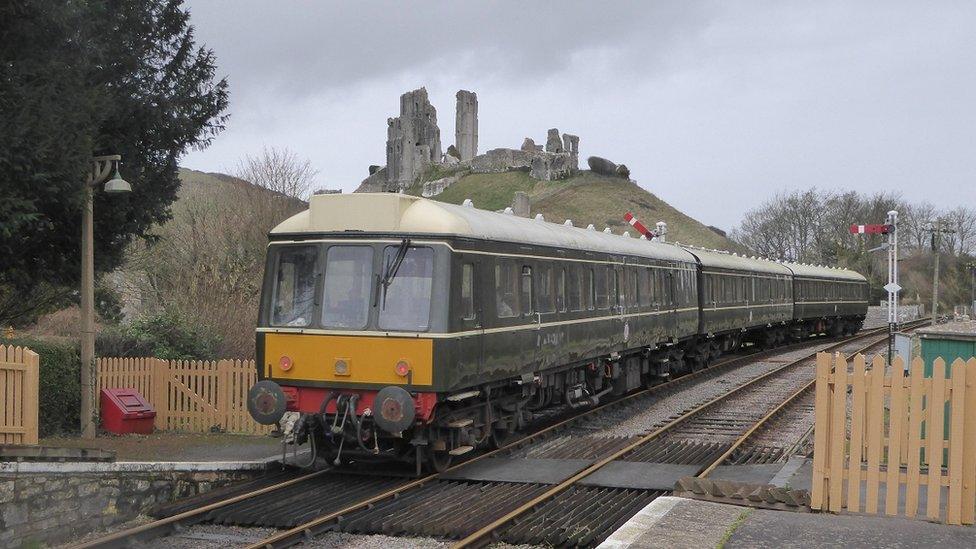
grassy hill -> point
(585, 198)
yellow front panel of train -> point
(349, 359)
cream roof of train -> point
(398, 213)
(819, 271)
(725, 260)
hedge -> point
(60, 387)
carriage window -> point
(348, 281)
(545, 282)
(526, 290)
(294, 286)
(631, 292)
(645, 288)
(506, 289)
(575, 288)
(561, 290)
(612, 286)
(467, 291)
(600, 282)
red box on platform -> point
(125, 411)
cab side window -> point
(467, 291)
(526, 290)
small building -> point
(949, 341)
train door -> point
(470, 359)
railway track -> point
(439, 505)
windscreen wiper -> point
(391, 269)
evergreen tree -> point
(85, 78)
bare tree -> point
(207, 262)
(913, 221)
(963, 221)
(278, 170)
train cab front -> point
(357, 397)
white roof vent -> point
(467, 203)
(608, 231)
(568, 223)
(590, 227)
(538, 217)
(509, 211)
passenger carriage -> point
(405, 328)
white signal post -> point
(890, 228)
(892, 287)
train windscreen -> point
(405, 302)
(294, 286)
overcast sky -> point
(714, 106)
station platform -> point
(670, 522)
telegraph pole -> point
(937, 228)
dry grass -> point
(585, 198)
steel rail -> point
(325, 523)
(162, 527)
(742, 439)
(158, 528)
(478, 536)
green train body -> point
(429, 329)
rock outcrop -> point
(602, 166)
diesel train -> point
(409, 329)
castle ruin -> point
(413, 139)
(466, 125)
(414, 143)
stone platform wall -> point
(50, 507)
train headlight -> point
(285, 363)
(342, 367)
(402, 368)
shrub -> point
(60, 387)
(166, 335)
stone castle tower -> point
(466, 124)
(413, 139)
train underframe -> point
(357, 426)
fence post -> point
(915, 416)
(934, 438)
(821, 433)
(857, 436)
(896, 423)
(969, 448)
(875, 428)
(956, 410)
(160, 373)
(838, 432)
(31, 396)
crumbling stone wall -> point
(466, 124)
(413, 139)
(54, 508)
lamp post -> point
(101, 166)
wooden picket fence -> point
(886, 441)
(196, 396)
(19, 383)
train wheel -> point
(439, 460)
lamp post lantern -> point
(101, 166)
